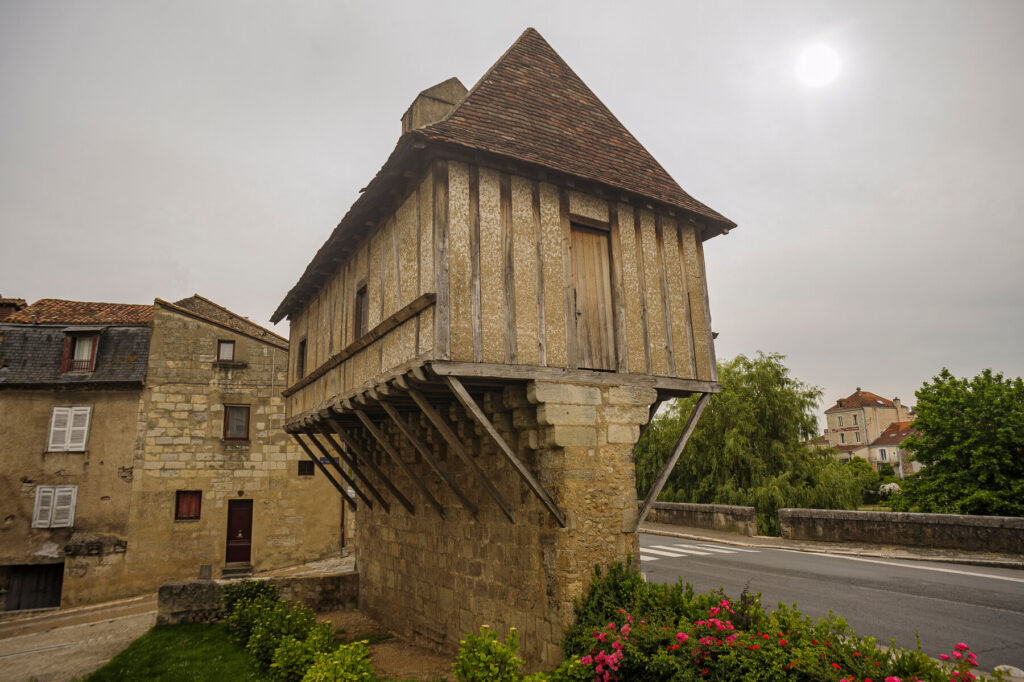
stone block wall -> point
(942, 531)
(435, 579)
(724, 517)
(181, 446)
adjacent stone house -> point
(856, 421)
(888, 449)
(481, 340)
(143, 444)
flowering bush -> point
(244, 613)
(273, 625)
(889, 489)
(294, 656)
(247, 590)
(483, 658)
(346, 663)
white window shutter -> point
(64, 506)
(59, 426)
(78, 431)
(44, 506)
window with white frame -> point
(840, 420)
(69, 429)
(881, 455)
(225, 351)
(55, 506)
(857, 436)
(855, 422)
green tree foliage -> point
(972, 446)
(749, 447)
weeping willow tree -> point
(749, 447)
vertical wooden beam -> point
(662, 477)
(508, 268)
(650, 415)
(337, 467)
(328, 434)
(442, 338)
(618, 293)
(474, 410)
(456, 445)
(568, 281)
(707, 306)
(351, 444)
(428, 455)
(640, 269)
(542, 351)
(688, 309)
(666, 308)
(393, 454)
(474, 257)
(337, 486)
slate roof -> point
(860, 398)
(529, 107)
(204, 307)
(60, 311)
(895, 434)
(30, 355)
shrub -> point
(243, 617)
(347, 663)
(293, 656)
(247, 590)
(483, 658)
(274, 624)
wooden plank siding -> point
(498, 255)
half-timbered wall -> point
(484, 260)
(395, 262)
(514, 278)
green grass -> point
(193, 652)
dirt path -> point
(57, 646)
(396, 657)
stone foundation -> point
(435, 579)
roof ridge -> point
(240, 318)
(219, 323)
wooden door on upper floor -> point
(595, 329)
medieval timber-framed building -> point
(480, 340)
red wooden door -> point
(595, 331)
(239, 531)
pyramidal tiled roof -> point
(60, 311)
(532, 107)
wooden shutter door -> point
(44, 507)
(78, 430)
(595, 330)
(64, 507)
(59, 424)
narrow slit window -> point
(300, 360)
(362, 310)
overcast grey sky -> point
(160, 149)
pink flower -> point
(837, 666)
(893, 679)
(957, 654)
(944, 657)
(625, 630)
(961, 646)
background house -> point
(888, 449)
(140, 442)
(855, 422)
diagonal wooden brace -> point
(351, 444)
(393, 454)
(427, 455)
(666, 469)
(455, 444)
(474, 410)
(337, 467)
(328, 434)
(344, 493)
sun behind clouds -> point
(818, 65)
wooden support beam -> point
(337, 467)
(650, 415)
(351, 444)
(428, 455)
(455, 444)
(344, 493)
(659, 481)
(393, 454)
(474, 410)
(354, 465)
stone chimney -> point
(901, 412)
(433, 104)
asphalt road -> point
(945, 603)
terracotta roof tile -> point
(532, 107)
(860, 398)
(896, 433)
(59, 311)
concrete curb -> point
(880, 551)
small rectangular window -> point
(300, 360)
(225, 351)
(54, 506)
(840, 421)
(855, 422)
(842, 438)
(69, 429)
(881, 454)
(187, 504)
(306, 468)
(857, 436)
(362, 310)
(79, 352)
(236, 422)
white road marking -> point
(732, 548)
(707, 549)
(668, 551)
(920, 568)
(685, 549)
